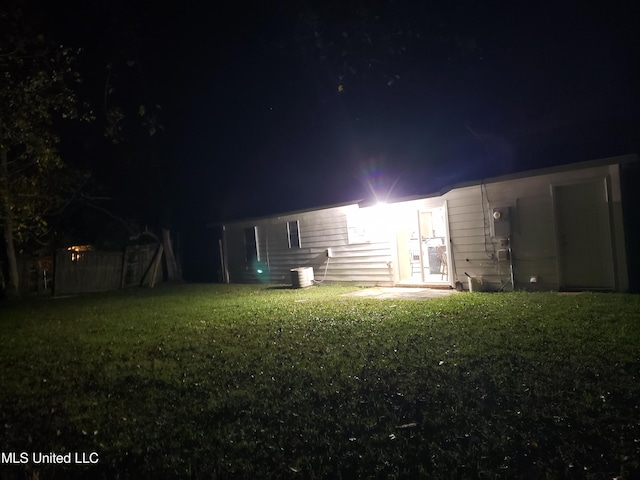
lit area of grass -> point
(230, 381)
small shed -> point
(560, 228)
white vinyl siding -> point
(319, 230)
(365, 252)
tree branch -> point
(114, 217)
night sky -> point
(278, 106)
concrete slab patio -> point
(402, 293)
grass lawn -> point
(218, 381)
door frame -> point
(605, 181)
(417, 209)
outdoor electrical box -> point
(500, 222)
(502, 255)
(329, 253)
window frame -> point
(294, 234)
(251, 245)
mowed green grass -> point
(217, 381)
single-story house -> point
(559, 228)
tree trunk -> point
(173, 274)
(7, 228)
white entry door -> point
(585, 257)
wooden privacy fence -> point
(85, 272)
(36, 275)
(99, 271)
(139, 264)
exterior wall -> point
(533, 242)
(362, 263)
(468, 229)
(532, 238)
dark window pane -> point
(293, 229)
(251, 243)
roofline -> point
(600, 162)
(283, 214)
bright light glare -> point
(378, 178)
(381, 213)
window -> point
(77, 252)
(251, 244)
(370, 224)
(356, 229)
(363, 226)
(293, 230)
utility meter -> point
(500, 222)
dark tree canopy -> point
(37, 88)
